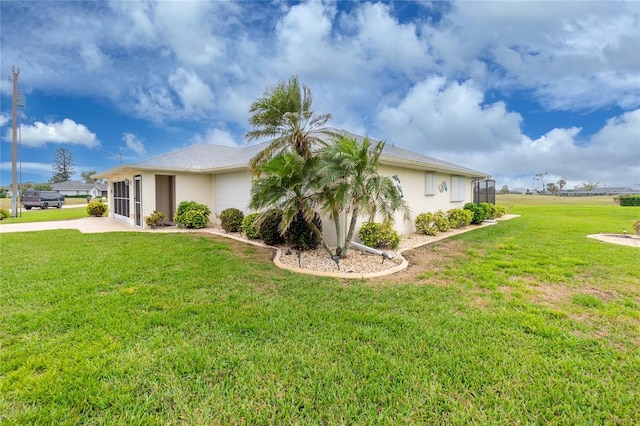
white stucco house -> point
(218, 176)
(76, 188)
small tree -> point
(588, 186)
(504, 190)
(552, 188)
(86, 176)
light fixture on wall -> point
(126, 181)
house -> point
(75, 188)
(218, 176)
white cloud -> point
(611, 156)
(63, 132)
(437, 114)
(195, 95)
(4, 119)
(133, 143)
(42, 169)
(215, 136)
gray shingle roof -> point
(202, 157)
(209, 158)
(72, 185)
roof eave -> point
(420, 165)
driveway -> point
(86, 225)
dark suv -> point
(42, 199)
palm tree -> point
(284, 114)
(349, 185)
(286, 182)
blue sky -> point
(509, 88)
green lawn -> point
(5, 203)
(46, 215)
(524, 322)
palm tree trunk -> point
(349, 236)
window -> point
(121, 198)
(430, 184)
(458, 188)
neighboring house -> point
(218, 176)
(73, 188)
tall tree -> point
(350, 186)
(62, 166)
(540, 176)
(284, 114)
(561, 184)
(86, 176)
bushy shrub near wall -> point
(629, 200)
(299, 234)
(231, 219)
(442, 221)
(269, 228)
(96, 209)
(191, 214)
(426, 224)
(249, 227)
(379, 235)
(459, 218)
(480, 212)
(4, 213)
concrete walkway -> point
(86, 225)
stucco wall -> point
(413, 184)
(232, 190)
(195, 187)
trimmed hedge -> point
(459, 218)
(426, 224)
(379, 235)
(191, 214)
(629, 200)
(480, 212)
(4, 213)
(249, 227)
(231, 219)
(269, 227)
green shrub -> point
(191, 214)
(4, 213)
(186, 205)
(231, 220)
(629, 200)
(442, 221)
(480, 212)
(499, 211)
(379, 235)
(269, 227)
(155, 218)
(96, 209)
(459, 218)
(426, 224)
(299, 234)
(249, 227)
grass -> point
(525, 322)
(46, 215)
(5, 203)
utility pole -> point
(14, 140)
